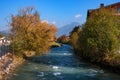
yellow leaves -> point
(28, 29)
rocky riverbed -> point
(8, 64)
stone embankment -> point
(8, 65)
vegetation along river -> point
(61, 64)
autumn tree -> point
(63, 39)
(74, 36)
(29, 33)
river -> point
(61, 64)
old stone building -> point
(115, 6)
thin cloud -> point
(78, 16)
(53, 22)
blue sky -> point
(59, 12)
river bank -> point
(8, 65)
(111, 64)
(61, 64)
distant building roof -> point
(115, 6)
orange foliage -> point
(30, 32)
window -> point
(118, 9)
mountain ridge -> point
(66, 29)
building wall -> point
(115, 6)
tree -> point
(29, 33)
(1, 35)
(99, 36)
(74, 36)
(63, 39)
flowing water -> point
(61, 64)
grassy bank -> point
(109, 63)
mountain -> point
(5, 32)
(65, 30)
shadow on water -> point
(60, 64)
